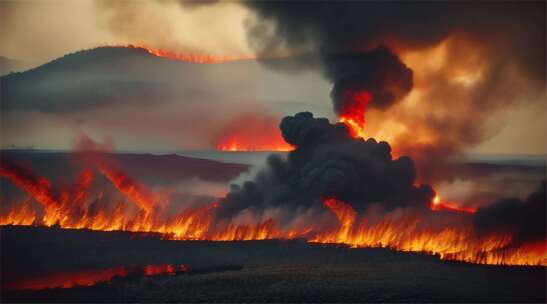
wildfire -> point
(410, 234)
(72, 209)
(92, 277)
(125, 185)
(353, 112)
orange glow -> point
(409, 232)
(38, 187)
(251, 132)
(352, 114)
(128, 187)
(437, 205)
(192, 58)
(153, 270)
(92, 277)
(240, 143)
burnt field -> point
(253, 271)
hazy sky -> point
(35, 32)
(40, 31)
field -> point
(251, 271)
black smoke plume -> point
(515, 30)
(328, 162)
(524, 220)
(378, 72)
(358, 44)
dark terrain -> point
(253, 271)
(149, 168)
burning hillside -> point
(189, 57)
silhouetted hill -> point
(108, 75)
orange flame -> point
(405, 233)
(251, 132)
(128, 187)
(192, 58)
(352, 113)
(410, 234)
(240, 143)
(437, 205)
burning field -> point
(333, 191)
(334, 187)
(374, 195)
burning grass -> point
(408, 233)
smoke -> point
(172, 26)
(330, 166)
(329, 27)
(328, 162)
(524, 220)
(378, 72)
(456, 66)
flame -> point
(410, 234)
(72, 209)
(251, 132)
(38, 187)
(189, 57)
(91, 277)
(352, 113)
(240, 143)
(437, 205)
(128, 187)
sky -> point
(36, 32)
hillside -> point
(108, 75)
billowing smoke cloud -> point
(467, 61)
(329, 162)
(378, 72)
(334, 27)
(524, 220)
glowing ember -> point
(353, 112)
(154, 270)
(92, 277)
